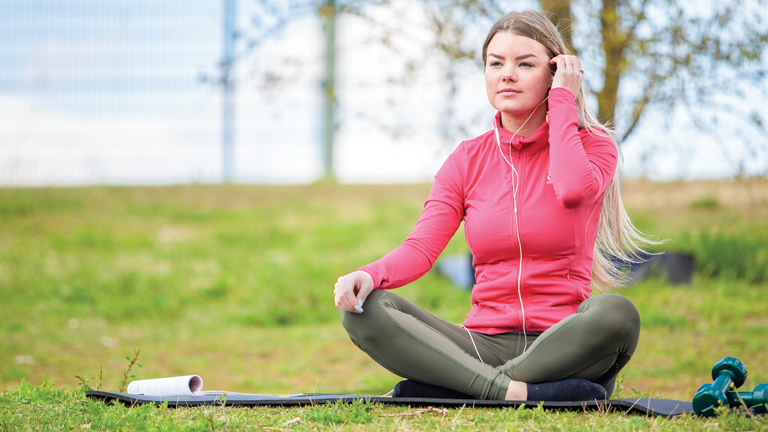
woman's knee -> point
(360, 326)
(615, 313)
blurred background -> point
(190, 177)
(258, 91)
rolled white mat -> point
(187, 385)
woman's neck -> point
(524, 125)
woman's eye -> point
(525, 64)
(495, 63)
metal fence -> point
(122, 92)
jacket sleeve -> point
(582, 164)
(441, 217)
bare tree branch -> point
(657, 54)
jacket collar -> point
(539, 137)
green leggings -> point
(594, 344)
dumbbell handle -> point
(756, 399)
(723, 382)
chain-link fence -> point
(119, 92)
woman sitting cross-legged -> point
(539, 196)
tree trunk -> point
(562, 18)
(613, 45)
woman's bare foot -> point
(517, 391)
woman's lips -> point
(508, 91)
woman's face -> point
(517, 75)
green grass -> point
(27, 407)
(235, 283)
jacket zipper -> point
(520, 245)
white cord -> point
(515, 185)
(473, 343)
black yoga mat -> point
(656, 407)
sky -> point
(124, 92)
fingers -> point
(344, 294)
(569, 73)
(350, 291)
(567, 63)
(348, 297)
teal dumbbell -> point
(727, 371)
(756, 399)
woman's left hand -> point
(351, 290)
(568, 73)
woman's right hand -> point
(569, 73)
(352, 290)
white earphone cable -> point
(473, 343)
(515, 186)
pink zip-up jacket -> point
(563, 172)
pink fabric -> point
(563, 174)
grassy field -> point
(234, 283)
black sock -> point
(574, 389)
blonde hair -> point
(617, 236)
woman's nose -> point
(508, 74)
